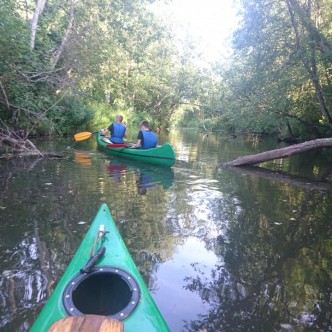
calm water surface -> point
(220, 249)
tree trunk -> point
(4, 95)
(61, 48)
(280, 153)
(34, 23)
(320, 40)
(317, 39)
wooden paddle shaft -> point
(87, 323)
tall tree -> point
(58, 53)
(277, 73)
(35, 19)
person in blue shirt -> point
(146, 139)
(117, 130)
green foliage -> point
(136, 118)
(14, 52)
(269, 77)
(243, 122)
(120, 58)
(13, 37)
(27, 81)
(267, 87)
(104, 114)
(188, 120)
(192, 123)
(127, 59)
(70, 113)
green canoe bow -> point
(143, 314)
(163, 155)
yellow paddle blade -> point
(82, 136)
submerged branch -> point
(21, 147)
(285, 178)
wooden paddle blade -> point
(87, 323)
(82, 136)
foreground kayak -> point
(109, 285)
(163, 155)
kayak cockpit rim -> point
(106, 290)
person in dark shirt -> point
(146, 139)
(117, 130)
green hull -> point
(145, 316)
(163, 155)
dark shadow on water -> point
(283, 177)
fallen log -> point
(279, 153)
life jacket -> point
(119, 131)
(150, 139)
(145, 181)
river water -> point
(240, 249)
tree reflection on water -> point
(273, 273)
(271, 236)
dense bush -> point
(70, 114)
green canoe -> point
(163, 155)
(109, 285)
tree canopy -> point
(279, 79)
(66, 65)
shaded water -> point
(221, 249)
